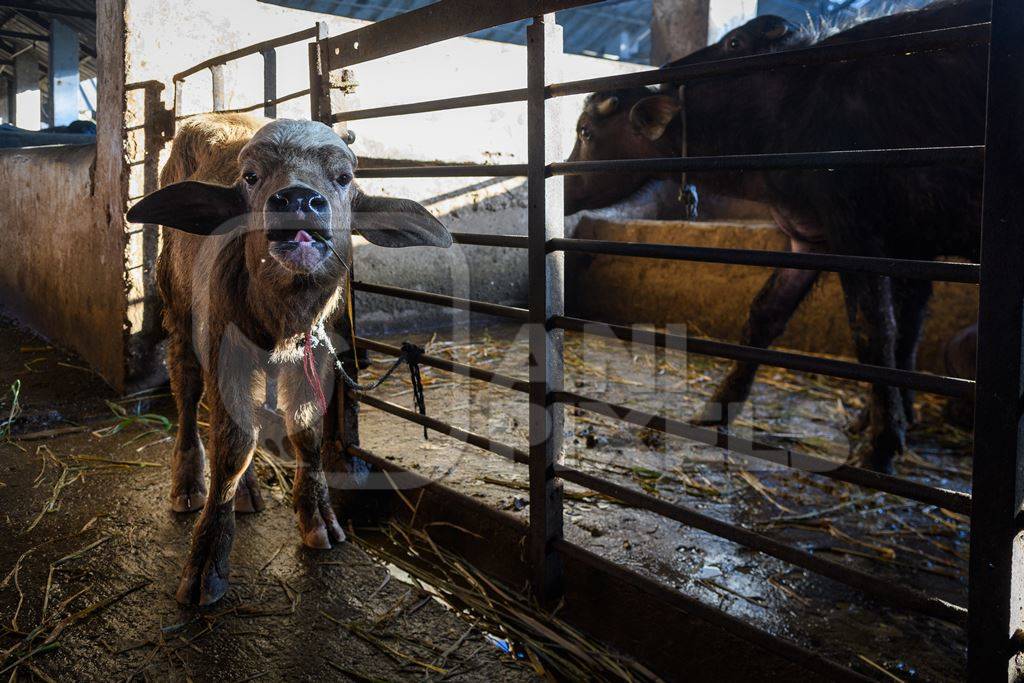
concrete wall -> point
(88, 284)
(60, 274)
(713, 300)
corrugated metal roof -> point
(617, 29)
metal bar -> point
(921, 381)
(500, 97)
(546, 297)
(996, 563)
(444, 300)
(489, 376)
(828, 669)
(260, 105)
(908, 156)
(471, 438)
(319, 77)
(434, 23)
(893, 594)
(946, 38)
(217, 84)
(255, 48)
(950, 500)
(269, 82)
(485, 240)
(446, 171)
(41, 8)
(839, 263)
(38, 37)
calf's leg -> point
(869, 304)
(188, 461)
(233, 435)
(770, 311)
(318, 524)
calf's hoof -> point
(188, 478)
(248, 496)
(188, 502)
(202, 584)
(318, 525)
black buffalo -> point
(925, 99)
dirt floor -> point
(92, 552)
(908, 543)
(91, 556)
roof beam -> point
(44, 25)
(24, 36)
(48, 9)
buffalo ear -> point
(779, 27)
(389, 222)
(652, 115)
(191, 206)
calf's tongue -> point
(303, 236)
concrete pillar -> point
(725, 15)
(5, 114)
(678, 27)
(28, 97)
(63, 74)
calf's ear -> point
(389, 222)
(652, 115)
(191, 206)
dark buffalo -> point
(604, 130)
(920, 100)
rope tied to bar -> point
(410, 355)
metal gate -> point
(994, 613)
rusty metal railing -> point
(998, 391)
(267, 49)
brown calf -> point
(255, 268)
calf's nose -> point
(298, 200)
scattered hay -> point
(535, 637)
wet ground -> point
(908, 543)
(91, 554)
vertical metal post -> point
(153, 110)
(269, 82)
(179, 93)
(63, 74)
(546, 299)
(217, 78)
(996, 601)
(320, 76)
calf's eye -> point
(734, 43)
(344, 179)
(250, 178)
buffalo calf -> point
(255, 266)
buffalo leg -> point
(233, 435)
(869, 304)
(188, 461)
(911, 300)
(769, 313)
(318, 525)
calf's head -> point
(296, 200)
